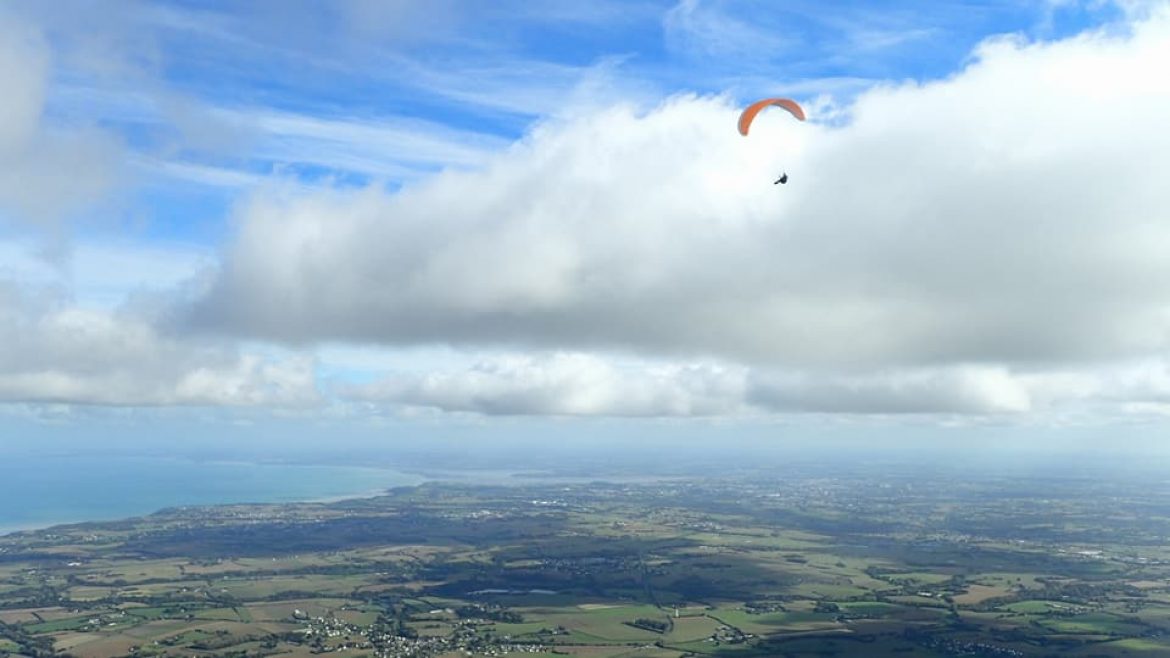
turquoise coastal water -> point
(39, 491)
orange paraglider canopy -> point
(750, 112)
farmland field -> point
(699, 567)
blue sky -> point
(459, 214)
(383, 92)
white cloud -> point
(579, 384)
(45, 172)
(24, 69)
(957, 390)
(594, 384)
(1013, 214)
(54, 352)
(993, 243)
(567, 385)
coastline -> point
(115, 495)
(411, 476)
(7, 530)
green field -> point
(694, 568)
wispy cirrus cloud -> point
(756, 48)
(374, 147)
(240, 147)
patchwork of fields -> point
(697, 567)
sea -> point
(42, 491)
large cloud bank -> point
(991, 243)
(587, 385)
(1013, 215)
